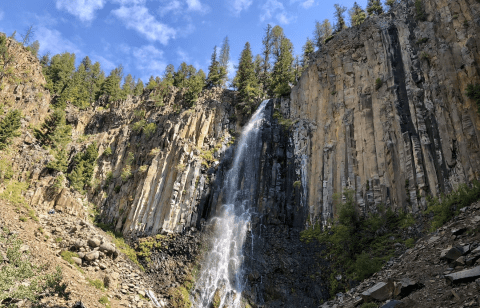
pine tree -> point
(84, 167)
(9, 127)
(258, 65)
(59, 72)
(168, 75)
(128, 85)
(111, 86)
(246, 80)
(374, 7)
(339, 10)
(96, 80)
(308, 49)
(152, 84)
(34, 48)
(225, 58)
(283, 74)
(267, 42)
(357, 15)
(322, 32)
(194, 84)
(138, 88)
(277, 37)
(181, 75)
(216, 72)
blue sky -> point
(146, 35)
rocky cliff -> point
(382, 109)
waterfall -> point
(221, 280)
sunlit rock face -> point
(382, 109)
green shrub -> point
(108, 151)
(108, 178)
(445, 207)
(139, 113)
(98, 284)
(149, 129)
(126, 173)
(179, 297)
(143, 168)
(84, 166)
(23, 218)
(422, 41)
(328, 39)
(420, 11)
(365, 265)
(14, 192)
(9, 127)
(378, 83)
(410, 242)
(297, 184)
(139, 125)
(473, 92)
(6, 169)
(104, 301)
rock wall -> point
(382, 109)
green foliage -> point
(84, 166)
(149, 129)
(378, 83)
(119, 241)
(126, 173)
(357, 15)
(9, 127)
(297, 184)
(139, 125)
(138, 88)
(410, 242)
(425, 56)
(20, 279)
(216, 72)
(6, 169)
(108, 151)
(422, 41)
(473, 92)
(445, 207)
(68, 255)
(283, 75)
(285, 123)
(322, 32)
(97, 283)
(390, 3)
(328, 39)
(365, 265)
(104, 301)
(420, 11)
(341, 24)
(5, 58)
(111, 85)
(139, 113)
(14, 192)
(374, 7)
(22, 218)
(246, 80)
(405, 220)
(179, 297)
(188, 78)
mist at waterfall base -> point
(221, 278)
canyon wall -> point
(382, 109)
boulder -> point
(94, 242)
(92, 256)
(406, 286)
(451, 254)
(380, 292)
(77, 261)
(466, 275)
(107, 248)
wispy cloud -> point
(171, 7)
(52, 41)
(308, 3)
(149, 60)
(197, 6)
(129, 2)
(183, 55)
(106, 64)
(82, 9)
(275, 9)
(239, 5)
(140, 19)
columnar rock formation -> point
(382, 109)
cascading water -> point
(221, 280)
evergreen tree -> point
(128, 85)
(390, 4)
(111, 86)
(152, 84)
(339, 10)
(246, 80)
(322, 32)
(216, 72)
(225, 58)
(194, 84)
(84, 167)
(59, 72)
(374, 7)
(9, 127)
(277, 37)
(138, 88)
(308, 50)
(181, 75)
(297, 69)
(267, 42)
(283, 74)
(95, 82)
(357, 15)
(258, 65)
(34, 48)
(168, 75)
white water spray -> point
(221, 279)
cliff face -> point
(382, 110)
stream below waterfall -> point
(221, 279)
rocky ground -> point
(98, 261)
(441, 270)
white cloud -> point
(1, 14)
(240, 5)
(149, 60)
(308, 3)
(196, 5)
(139, 19)
(106, 64)
(82, 9)
(53, 42)
(172, 6)
(129, 2)
(183, 55)
(275, 8)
